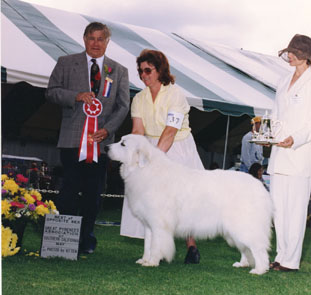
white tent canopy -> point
(213, 77)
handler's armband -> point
(174, 119)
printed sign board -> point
(61, 236)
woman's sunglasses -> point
(147, 71)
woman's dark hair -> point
(253, 170)
(160, 62)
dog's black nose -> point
(106, 148)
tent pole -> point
(226, 143)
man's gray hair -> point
(96, 26)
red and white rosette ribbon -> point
(89, 150)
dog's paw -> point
(140, 261)
(150, 263)
(239, 264)
(255, 271)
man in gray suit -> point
(92, 111)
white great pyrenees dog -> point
(173, 200)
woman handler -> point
(160, 112)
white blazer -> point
(293, 108)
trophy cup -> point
(268, 130)
(265, 132)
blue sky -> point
(264, 26)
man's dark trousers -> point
(88, 178)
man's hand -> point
(86, 97)
(287, 142)
(100, 135)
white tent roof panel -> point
(265, 68)
(18, 64)
(213, 76)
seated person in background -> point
(45, 178)
(257, 171)
(43, 168)
(251, 152)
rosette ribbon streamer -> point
(89, 150)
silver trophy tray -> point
(264, 141)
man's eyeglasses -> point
(147, 71)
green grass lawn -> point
(112, 270)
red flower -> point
(34, 197)
(108, 70)
(20, 178)
(17, 204)
(41, 203)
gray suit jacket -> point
(69, 77)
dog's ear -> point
(143, 158)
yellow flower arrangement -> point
(10, 186)
(51, 205)
(17, 205)
(29, 198)
(18, 202)
(36, 194)
(8, 242)
(5, 207)
(4, 177)
(42, 210)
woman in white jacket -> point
(290, 161)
